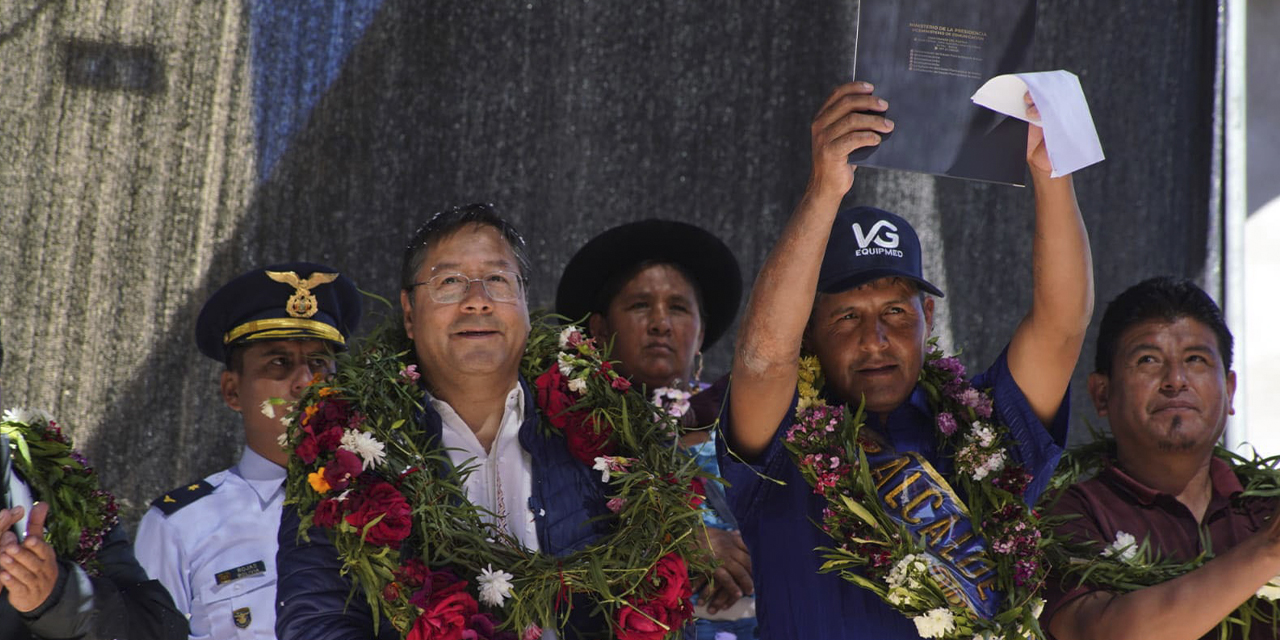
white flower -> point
(268, 409)
(565, 362)
(897, 596)
(904, 573)
(993, 464)
(935, 623)
(982, 434)
(495, 586)
(363, 444)
(567, 337)
(1037, 607)
(578, 385)
(282, 440)
(26, 416)
(1270, 590)
(1125, 547)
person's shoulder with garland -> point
(1163, 381)
(212, 542)
(859, 273)
(464, 303)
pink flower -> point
(615, 504)
(531, 632)
(410, 374)
(620, 383)
(946, 423)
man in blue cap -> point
(859, 273)
(212, 543)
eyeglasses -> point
(448, 288)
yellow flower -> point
(327, 391)
(317, 481)
(308, 412)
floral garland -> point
(80, 512)
(877, 551)
(362, 470)
(1126, 565)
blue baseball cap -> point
(868, 244)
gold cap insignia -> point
(302, 304)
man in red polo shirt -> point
(1163, 381)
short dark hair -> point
(1160, 298)
(445, 223)
(614, 285)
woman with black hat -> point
(662, 291)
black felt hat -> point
(702, 255)
(294, 301)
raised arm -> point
(1186, 607)
(1046, 345)
(768, 348)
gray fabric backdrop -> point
(150, 151)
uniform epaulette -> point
(178, 498)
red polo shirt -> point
(1113, 502)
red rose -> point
(586, 444)
(308, 449)
(330, 413)
(381, 499)
(413, 573)
(328, 439)
(644, 621)
(555, 400)
(445, 618)
(344, 468)
(328, 513)
(671, 579)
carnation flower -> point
(992, 464)
(565, 362)
(282, 440)
(268, 409)
(935, 623)
(363, 444)
(578, 385)
(410, 374)
(495, 586)
(616, 504)
(1124, 548)
(570, 337)
(946, 423)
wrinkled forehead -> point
(879, 290)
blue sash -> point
(915, 495)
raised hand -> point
(28, 569)
(846, 122)
(1037, 154)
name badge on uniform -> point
(251, 569)
(242, 617)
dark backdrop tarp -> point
(328, 130)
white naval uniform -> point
(217, 554)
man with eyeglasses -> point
(212, 542)
(464, 303)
